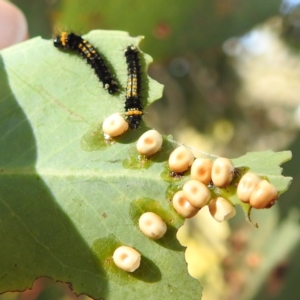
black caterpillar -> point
(75, 42)
(133, 104)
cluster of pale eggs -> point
(195, 193)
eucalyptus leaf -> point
(67, 197)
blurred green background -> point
(231, 70)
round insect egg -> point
(114, 125)
(247, 185)
(222, 172)
(152, 225)
(196, 193)
(201, 170)
(183, 206)
(264, 195)
(149, 142)
(180, 159)
(221, 209)
(127, 258)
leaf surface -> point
(68, 198)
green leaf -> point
(265, 164)
(67, 198)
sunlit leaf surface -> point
(68, 198)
